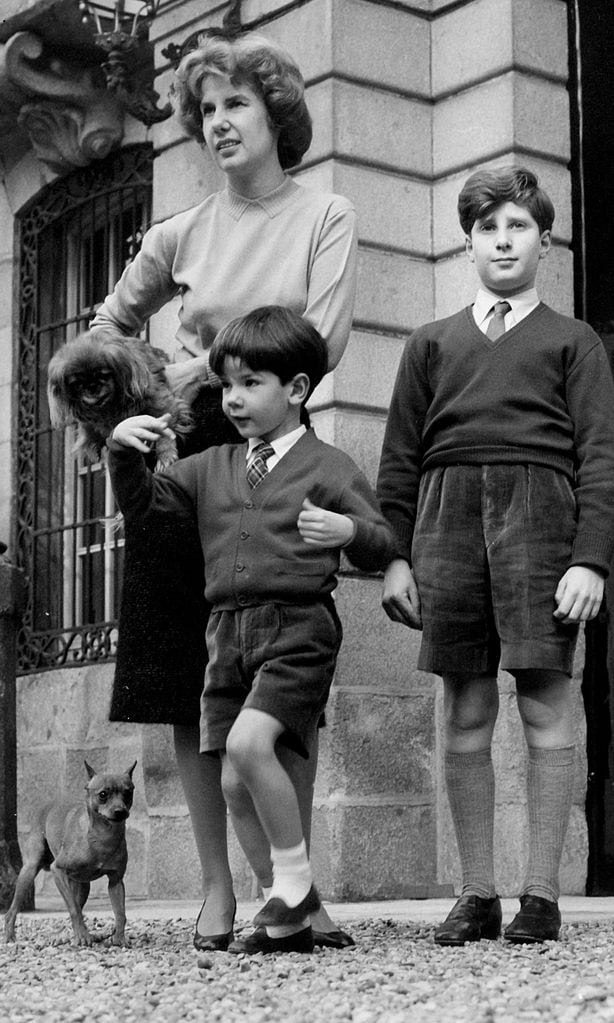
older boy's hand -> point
(579, 594)
(142, 432)
(400, 598)
(323, 528)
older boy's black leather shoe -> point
(538, 920)
(470, 919)
(259, 941)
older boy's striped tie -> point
(496, 327)
(256, 467)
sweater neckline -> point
(492, 345)
(272, 202)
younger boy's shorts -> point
(276, 658)
(490, 546)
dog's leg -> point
(72, 900)
(25, 878)
(33, 861)
(117, 898)
(81, 890)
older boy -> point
(272, 516)
(497, 475)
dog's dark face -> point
(92, 387)
(100, 378)
(110, 795)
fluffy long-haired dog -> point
(101, 378)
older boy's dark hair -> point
(275, 339)
(487, 189)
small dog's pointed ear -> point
(131, 769)
(90, 770)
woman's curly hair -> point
(267, 69)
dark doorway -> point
(592, 105)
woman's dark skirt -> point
(161, 651)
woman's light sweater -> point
(294, 247)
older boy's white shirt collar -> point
(280, 446)
(521, 305)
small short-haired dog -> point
(101, 378)
(80, 843)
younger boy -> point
(497, 475)
(272, 516)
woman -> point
(264, 239)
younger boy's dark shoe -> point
(276, 912)
(538, 920)
(333, 939)
(470, 919)
(259, 941)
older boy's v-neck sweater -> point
(253, 551)
(541, 394)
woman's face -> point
(238, 133)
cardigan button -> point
(239, 567)
(242, 600)
(244, 534)
(248, 504)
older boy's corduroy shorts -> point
(490, 545)
(277, 658)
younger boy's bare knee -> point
(246, 752)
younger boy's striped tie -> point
(256, 467)
(496, 327)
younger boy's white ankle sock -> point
(292, 877)
(283, 930)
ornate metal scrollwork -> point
(139, 98)
(231, 26)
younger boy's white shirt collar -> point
(280, 446)
(522, 304)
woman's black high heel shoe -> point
(213, 942)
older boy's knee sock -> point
(292, 877)
(470, 783)
(550, 779)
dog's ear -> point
(131, 769)
(129, 365)
(59, 413)
(90, 770)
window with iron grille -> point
(74, 241)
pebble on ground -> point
(395, 974)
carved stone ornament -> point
(65, 137)
(68, 117)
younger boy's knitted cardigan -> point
(542, 394)
(253, 551)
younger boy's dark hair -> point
(275, 339)
(487, 189)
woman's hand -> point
(400, 598)
(579, 594)
(142, 432)
(323, 528)
(187, 378)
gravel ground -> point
(395, 974)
